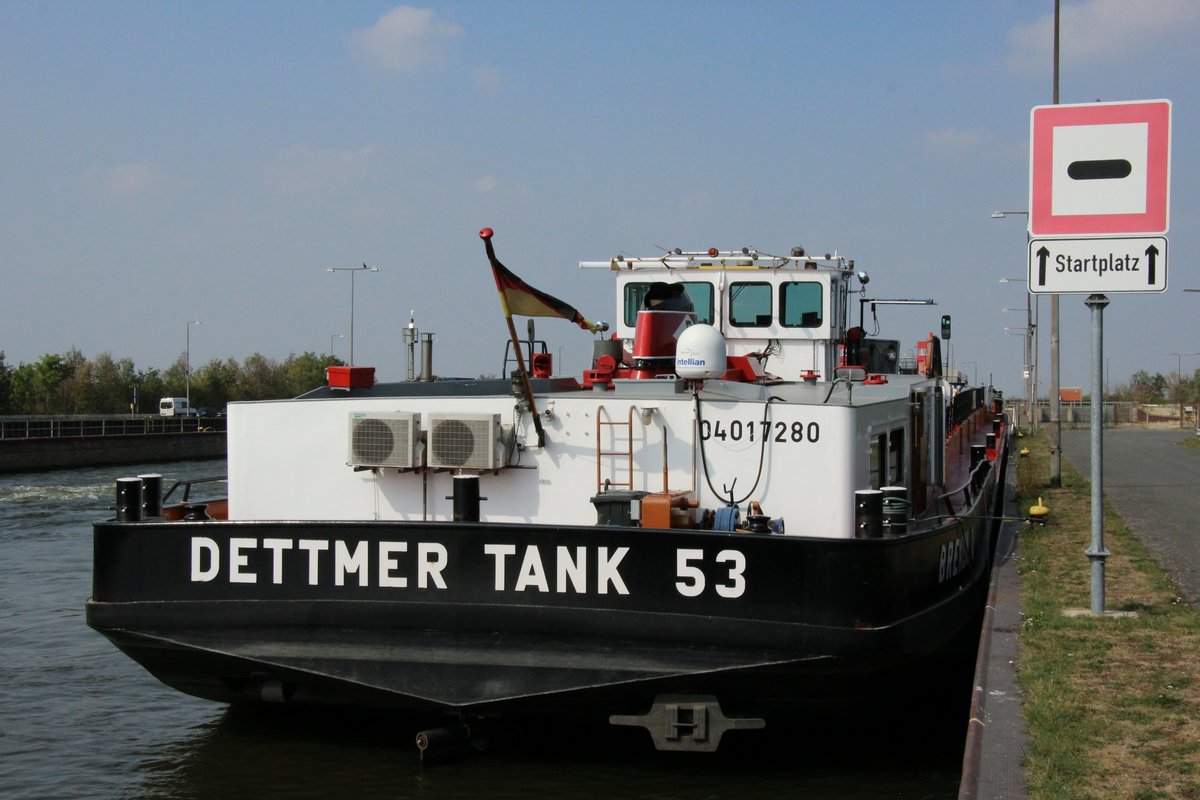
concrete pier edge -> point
(71, 452)
(996, 738)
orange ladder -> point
(601, 453)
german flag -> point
(518, 297)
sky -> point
(171, 162)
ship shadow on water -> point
(904, 741)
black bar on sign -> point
(1100, 170)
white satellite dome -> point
(700, 353)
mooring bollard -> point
(895, 510)
(868, 513)
(129, 499)
(151, 495)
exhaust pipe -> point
(456, 738)
(448, 740)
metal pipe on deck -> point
(426, 357)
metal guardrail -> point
(969, 490)
(72, 426)
(187, 486)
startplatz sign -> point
(1099, 197)
(1105, 265)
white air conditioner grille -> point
(381, 440)
(463, 440)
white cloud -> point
(404, 39)
(1108, 31)
(486, 184)
(301, 169)
(127, 181)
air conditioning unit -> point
(383, 439)
(465, 441)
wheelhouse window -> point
(699, 292)
(886, 459)
(896, 457)
(801, 304)
(750, 304)
(878, 448)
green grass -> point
(1112, 705)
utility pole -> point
(1055, 428)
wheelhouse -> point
(795, 308)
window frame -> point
(770, 305)
(783, 294)
(631, 286)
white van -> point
(175, 407)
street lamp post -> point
(352, 271)
(1055, 427)
(1025, 377)
(333, 336)
(1179, 381)
(1055, 397)
(1031, 354)
(1030, 357)
(187, 365)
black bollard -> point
(868, 514)
(978, 454)
(895, 510)
(129, 499)
(151, 495)
(466, 498)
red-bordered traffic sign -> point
(1100, 169)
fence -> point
(1078, 414)
(62, 426)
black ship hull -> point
(484, 619)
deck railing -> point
(968, 490)
(63, 426)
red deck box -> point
(350, 377)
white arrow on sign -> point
(1105, 265)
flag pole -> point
(537, 420)
(486, 235)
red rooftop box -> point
(350, 377)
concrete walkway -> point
(1153, 483)
(996, 739)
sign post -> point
(1099, 209)
(1096, 552)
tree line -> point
(1146, 387)
(70, 383)
(1154, 387)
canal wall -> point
(63, 452)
